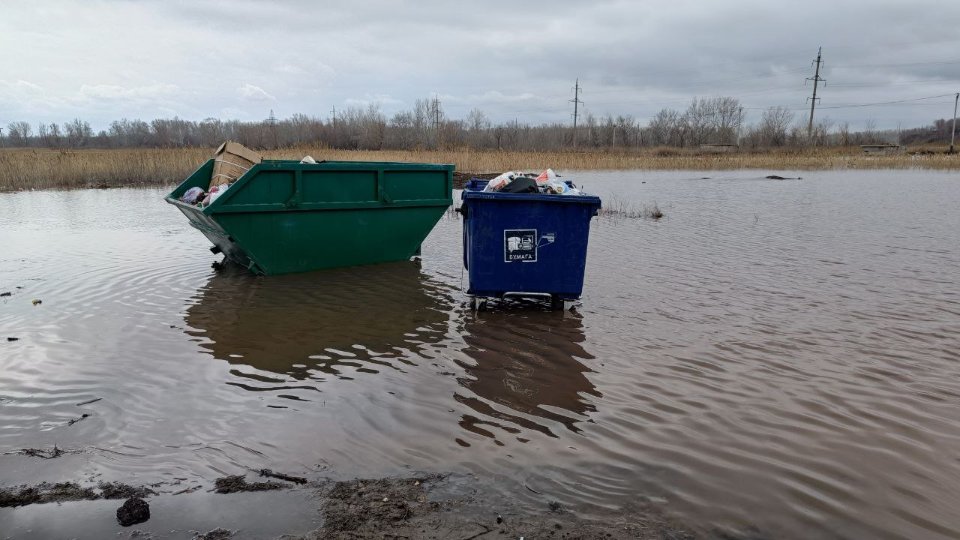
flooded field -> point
(775, 355)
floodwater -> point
(783, 355)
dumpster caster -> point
(556, 303)
(478, 304)
(217, 265)
(215, 250)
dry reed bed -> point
(23, 169)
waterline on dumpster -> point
(775, 354)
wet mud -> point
(68, 491)
(238, 484)
(217, 534)
(424, 506)
(134, 510)
(439, 506)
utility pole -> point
(436, 118)
(272, 121)
(739, 124)
(953, 130)
(333, 115)
(813, 101)
(576, 101)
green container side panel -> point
(265, 187)
(285, 242)
(339, 186)
(284, 216)
(413, 185)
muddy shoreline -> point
(419, 506)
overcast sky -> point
(103, 60)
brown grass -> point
(615, 207)
(22, 169)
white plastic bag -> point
(556, 187)
(501, 181)
(547, 177)
(219, 192)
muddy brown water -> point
(777, 354)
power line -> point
(856, 105)
(851, 106)
(893, 83)
(906, 64)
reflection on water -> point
(309, 325)
(527, 361)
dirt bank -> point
(449, 507)
(68, 491)
(423, 506)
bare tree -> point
(697, 120)
(78, 132)
(773, 125)
(725, 117)
(664, 128)
(18, 133)
(843, 133)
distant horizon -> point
(800, 120)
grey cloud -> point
(511, 59)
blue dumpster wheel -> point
(477, 304)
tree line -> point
(706, 121)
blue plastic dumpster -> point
(525, 244)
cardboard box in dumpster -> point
(231, 161)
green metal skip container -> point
(285, 216)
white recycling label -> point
(520, 245)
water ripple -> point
(769, 354)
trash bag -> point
(192, 195)
(500, 182)
(214, 194)
(556, 187)
(547, 177)
(219, 192)
(521, 184)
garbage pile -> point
(547, 182)
(231, 161)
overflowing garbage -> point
(547, 182)
(231, 161)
